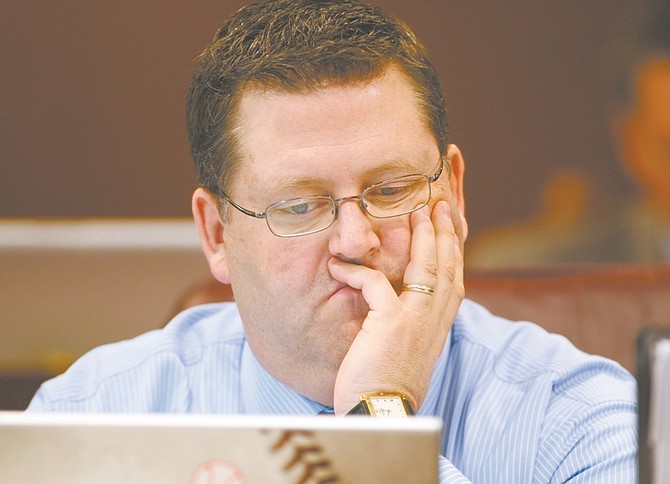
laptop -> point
(198, 449)
(653, 370)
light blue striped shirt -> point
(518, 404)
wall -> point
(91, 111)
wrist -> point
(383, 405)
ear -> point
(210, 229)
(457, 164)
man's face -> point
(335, 141)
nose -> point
(354, 236)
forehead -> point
(347, 125)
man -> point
(332, 204)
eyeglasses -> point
(307, 215)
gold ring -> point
(419, 288)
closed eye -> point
(301, 207)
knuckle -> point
(451, 273)
(430, 267)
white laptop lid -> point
(192, 449)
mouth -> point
(344, 290)
(341, 289)
(349, 303)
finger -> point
(447, 220)
(375, 287)
(457, 221)
(422, 266)
(446, 240)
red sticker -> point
(217, 472)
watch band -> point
(361, 408)
(364, 407)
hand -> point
(403, 335)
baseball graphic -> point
(217, 472)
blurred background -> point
(562, 111)
(92, 103)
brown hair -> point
(296, 46)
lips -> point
(343, 289)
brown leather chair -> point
(601, 309)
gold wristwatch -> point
(383, 405)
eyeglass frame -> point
(336, 202)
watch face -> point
(387, 406)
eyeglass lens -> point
(306, 215)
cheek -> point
(263, 259)
(396, 239)
(441, 190)
(394, 255)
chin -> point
(344, 324)
(353, 313)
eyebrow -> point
(290, 183)
(377, 174)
